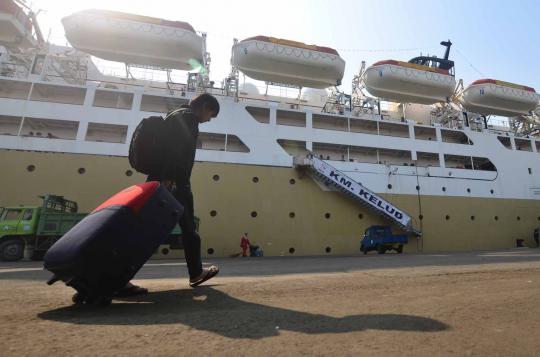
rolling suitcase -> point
(103, 252)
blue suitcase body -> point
(105, 250)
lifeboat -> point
(142, 40)
(409, 82)
(493, 97)
(15, 26)
(282, 61)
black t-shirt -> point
(181, 129)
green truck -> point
(36, 228)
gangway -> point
(325, 172)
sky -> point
(492, 39)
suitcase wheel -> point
(100, 301)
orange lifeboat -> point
(493, 97)
(283, 61)
(117, 36)
(409, 82)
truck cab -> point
(16, 223)
(381, 239)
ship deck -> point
(480, 303)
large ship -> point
(410, 146)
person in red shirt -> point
(244, 243)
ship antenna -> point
(447, 44)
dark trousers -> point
(190, 237)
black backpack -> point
(145, 149)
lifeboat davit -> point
(15, 26)
(282, 61)
(409, 82)
(493, 97)
(121, 37)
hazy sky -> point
(492, 39)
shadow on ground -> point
(211, 310)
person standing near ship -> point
(244, 244)
(179, 133)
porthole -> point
(210, 251)
(292, 215)
(538, 218)
(254, 214)
(472, 218)
(81, 170)
(491, 191)
(518, 218)
(328, 250)
(292, 181)
(389, 186)
(327, 215)
(496, 218)
(215, 177)
(30, 168)
(421, 217)
(129, 173)
(213, 213)
(417, 188)
(165, 251)
(447, 217)
(255, 179)
(444, 189)
(360, 216)
(291, 250)
(469, 190)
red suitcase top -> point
(134, 197)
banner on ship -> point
(361, 192)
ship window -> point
(293, 147)
(363, 154)
(50, 128)
(106, 133)
(113, 99)
(393, 129)
(262, 115)
(330, 122)
(530, 171)
(58, 94)
(9, 125)
(254, 214)
(291, 250)
(458, 162)
(210, 251)
(328, 249)
(455, 137)
(537, 144)
(158, 104)
(330, 151)
(482, 163)
(363, 126)
(234, 144)
(447, 217)
(14, 89)
(290, 118)
(292, 181)
(292, 214)
(505, 141)
(394, 157)
(213, 213)
(523, 144)
(211, 141)
(425, 133)
(425, 159)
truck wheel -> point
(381, 249)
(400, 249)
(11, 250)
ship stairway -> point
(329, 175)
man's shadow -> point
(208, 309)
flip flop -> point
(207, 274)
(131, 290)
